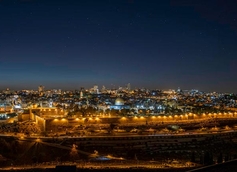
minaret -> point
(129, 87)
(87, 101)
(81, 92)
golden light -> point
(153, 117)
(77, 119)
(97, 119)
(135, 117)
(90, 118)
(56, 119)
(109, 156)
(63, 119)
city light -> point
(118, 85)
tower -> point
(96, 89)
(103, 89)
(81, 94)
(129, 87)
(41, 88)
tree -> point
(107, 111)
(86, 111)
(74, 153)
(76, 108)
(114, 112)
(111, 126)
(124, 112)
(70, 114)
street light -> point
(170, 117)
(186, 116)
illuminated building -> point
(119, 104)
(41, 88)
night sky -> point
(159, 44)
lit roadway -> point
(100, 165)
(191, 132)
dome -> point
(119, 102)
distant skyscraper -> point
(82, 90)
(103, 89)
(7, 91)
(81, 94)
(129, 87)
(120, 88)
(96, 89)
(41, 88)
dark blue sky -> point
(153, 44)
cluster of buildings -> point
(134, 101)
(49, 106)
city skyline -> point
(111, 87)
(152, 44)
